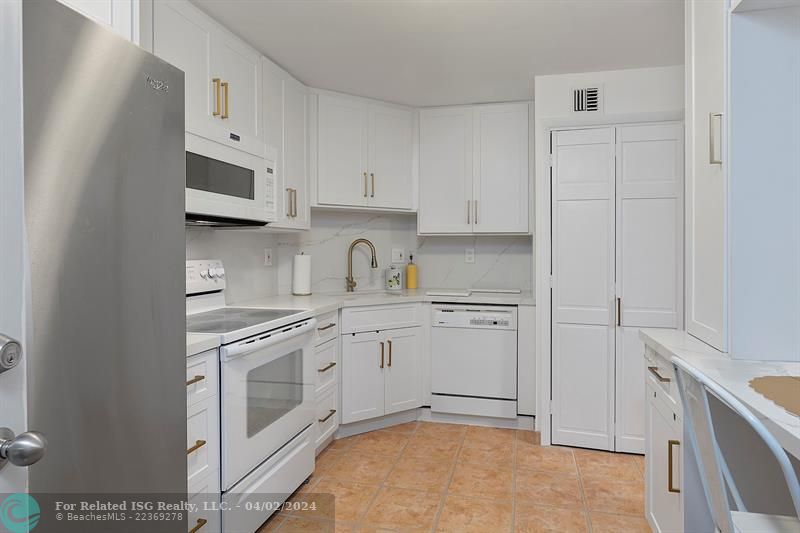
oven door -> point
(225, 183)
(267, 396)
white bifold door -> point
(617, 256)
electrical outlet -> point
(267, 257)
(398, 255)
(469, 255)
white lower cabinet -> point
(326, 359)
(381, 373)
(663, 456)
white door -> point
(445, 170)
(706, 273)
(583, 288)
(295, 151)
(363, 363)
(403, 371)
(500, 185)
(272, 131)
(390, 140)
(629, 426)
(181, 36)
(12, 382)
(342, 174)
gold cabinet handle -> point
(288, 202)
(619, 311)
(365, 185)
(327, 367)
(390, 353)
(476, 211)
(197, 445)
(654, 370)
(294, 203)
(200, 523)
(225, 86)
(329, 326)
(381, 354)
(217, 98)
(326, 417)
(712, 158)
(670, 486)
(468, 212)
(372, 177)
(194, 380)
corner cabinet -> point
(121, 16)
(365, 153)
(222, 75)
(285, 116)
(474, 169)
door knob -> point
(24, 449)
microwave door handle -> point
(243, 347)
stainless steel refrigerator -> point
(104, 212)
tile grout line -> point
(443, 496)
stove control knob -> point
(204, 274)
(212, 273)
(221, 273)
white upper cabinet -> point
(474, 171)
(223, 85)
(122, 16)
(500, 184)
(285, 114)
(364, 154)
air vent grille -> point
(587, 99)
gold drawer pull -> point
(654, 370)
(390, 352)
(381, 355)
(670, 487)
(225, 88)
(329, 326)
(194, 380)
(200, 523)
(327, 367)
(197, 445)
(325, 419)
(217, 97)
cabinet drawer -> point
(201, 376)
(661, 374)
(202, 438)
(380, 317)
(327, 417)
(327, 327)
(327, 357)
(203, 494)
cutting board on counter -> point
(781, 390)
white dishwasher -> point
(474, 360)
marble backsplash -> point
(501, 262)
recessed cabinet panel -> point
(295, 152)
(342, 175)
(403, 373)
(240, 70)
(362, 377)
(390, 155)
(629, 391)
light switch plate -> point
(398, 255)
(469, 255)
(267, 257)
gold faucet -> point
(351, 283)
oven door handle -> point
(240, 348)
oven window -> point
(273, 389)
(211, 175)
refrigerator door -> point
(104, 202)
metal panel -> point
(104, 188)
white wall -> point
(635, 95)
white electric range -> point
(267, 389)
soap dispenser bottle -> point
(411, 273)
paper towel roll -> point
(301, 275)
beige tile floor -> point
(424, 476)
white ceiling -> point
(437, 52)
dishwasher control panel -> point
(474, 316)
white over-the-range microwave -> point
(226, 187)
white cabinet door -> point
(295, 152)
(390, 156)
(706, 273)
(629, 426)
(445, 170)
(363, 367)
(239, 68)
(342, 174)
(272, 131)
(583, 288)
(649, 224)
(118, 15)
(403, 372)
(500, 189)
(663, 507)
(182, 37)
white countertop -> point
(325, 302)
(734, 375)
(200, 342)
